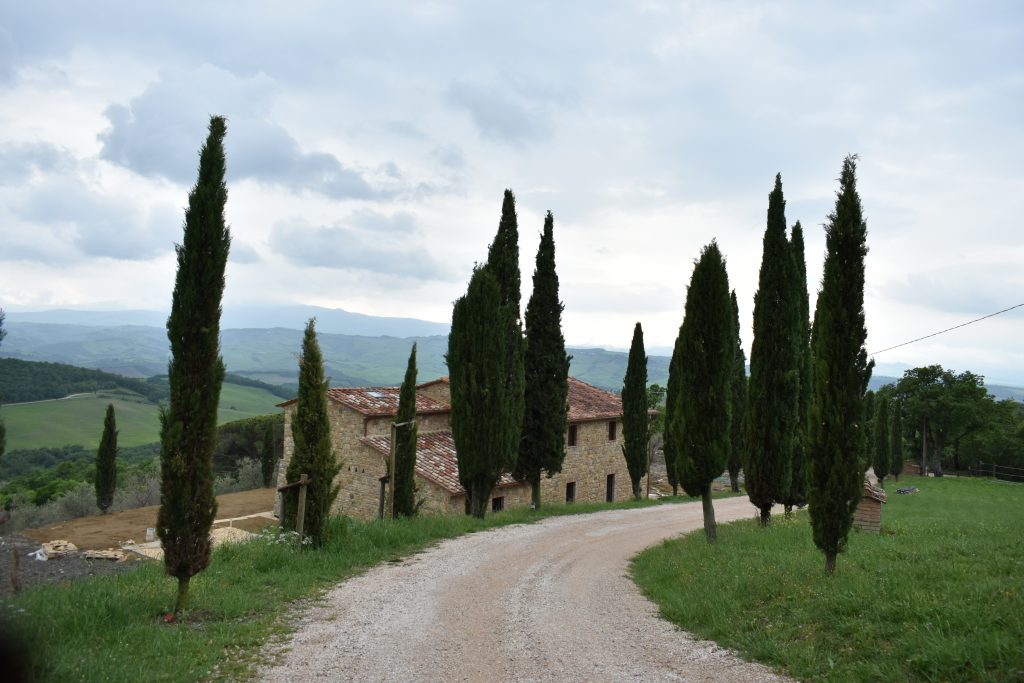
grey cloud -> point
(242, 253)
(18, 160)
(160, 131)
(450, 156)
(973, 289)
(99, 226)
(499, 113)
(400, 222)
(347, 249)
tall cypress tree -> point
(312, 455)
(484, 424)
(881, 464)
(702, 413)
(106, 462)
(896, 440)
(841, 373)
(796, 496)
(503, 262)
(738, 449)
(3, 427)
(405, 442)
(635, 422)
(188, 426)
(671, 437)
(546, 370)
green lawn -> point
(79, 421)
(937, 596)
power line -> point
(955, 327)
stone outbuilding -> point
(594, 469)
(868, 515)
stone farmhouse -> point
(360, 419)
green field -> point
(937, 596)
(79, 420)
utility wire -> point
(950, 329)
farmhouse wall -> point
(588, 464)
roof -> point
(378, 401)
(587, 402)
(874, 493)
(439, 380)
(435, 459)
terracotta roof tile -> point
(435, 459)
(378, 401)
(587, 402)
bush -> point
(139, 489)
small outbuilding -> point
(868, 515)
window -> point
(498, 504)
(570, 492)
(612, 429)
(572, 435)
(609, 488)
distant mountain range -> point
(359, 350)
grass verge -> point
(937, 596)
(109, 628)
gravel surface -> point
(545, 602)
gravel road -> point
(543, 602)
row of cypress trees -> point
(797, 426)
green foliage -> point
(775, 362)
(106, 462)
(999, 441)
(247, 438)
(23, 380)
(796, 496)
(485, 424)
(634, 412)
(882, 460)
(841, 372)
(701, 419)
(270, 454)
(671, 437)
(952, 594)
(188, 426)
(546, 371)
(311, 434)
(896, 454)
(405, 442)
(738, 402)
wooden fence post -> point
(301, 513)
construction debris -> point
(51, 550)
(113, 555)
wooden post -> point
(301, 513)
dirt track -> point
(544, 602)
(109, 531)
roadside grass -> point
(109, 628)
(79, 420)
(937, 596)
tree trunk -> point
(766, 516)
(830, 563)
(881, 485)
(675, 490)
(924, 446)
(789, 511)
(636, 490)
(734, 482)
(535, 491)
(469, 507)
(710, 531)
(937, 456)
(897, 475)
(479, 500)
(181, 604)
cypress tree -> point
(797, 493)
(635, 422)
(882, 462)
(269, 460)
(484, 424)
(188, 426)
(738, 391)
(671, 438)
(701, 414)
(106, 462)
(870, 412)
(405, 442)
(774, 367)
(503, 262)
(312, 455)
(546, 370)
(841, 373)
(3, 427)
(896, 441)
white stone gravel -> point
(544, 602)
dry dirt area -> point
(110, 531)
(107, 531)
(545, 602)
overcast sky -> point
(369, 144)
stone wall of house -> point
(439, 391)
(588, 464)
(381, 426)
